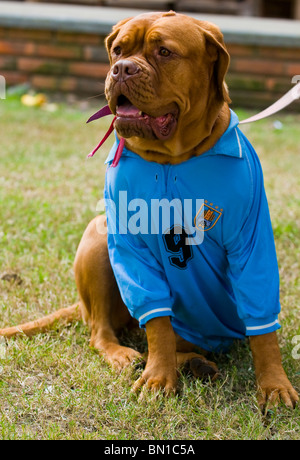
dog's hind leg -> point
(101, 303)
(198, 364)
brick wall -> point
(259, 75)
(53, 59)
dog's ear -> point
(218, 53)
(113, 35)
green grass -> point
(54, 386)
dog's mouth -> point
(132, 121)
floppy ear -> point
(111, 37)
(217, 51)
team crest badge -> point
(207, 216)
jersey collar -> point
(232, 142)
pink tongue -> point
(128, 110)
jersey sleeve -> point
(140, 278)
(253, 267)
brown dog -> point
(166, 87)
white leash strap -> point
(292, 95)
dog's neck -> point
(205, 137)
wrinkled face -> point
(165, 67)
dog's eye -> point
(164, 52)
(117, 50)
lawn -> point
(54, 386)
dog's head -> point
(166, 82)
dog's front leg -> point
(273, 384)
(160, 371)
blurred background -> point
(266, 8)
(58, 45)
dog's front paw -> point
(157, 378)
(273, 389)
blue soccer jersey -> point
(216, 277)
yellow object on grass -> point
(35, 100)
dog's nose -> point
(124, 69)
